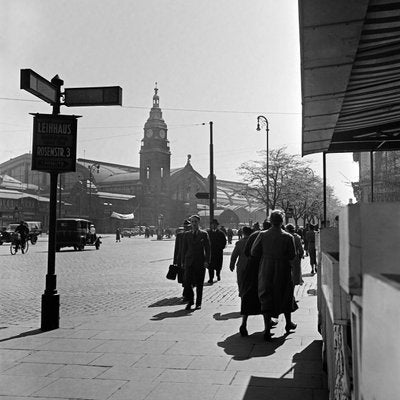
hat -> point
(195, 216)
(290, 227)
(247, 230)
(186, 222)
(214, 221)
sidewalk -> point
(162, 352)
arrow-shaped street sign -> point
(202, 195)
(93, 96)
(38, 86)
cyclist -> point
(23, 231)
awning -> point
(350, 65)
(115, 196)
(122, 216)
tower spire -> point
(156, 99)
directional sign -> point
(202, 195)
(38, 86)
(93, 96)
(54, 143)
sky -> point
(224, 61)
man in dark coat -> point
(195, 260)
(218, 243)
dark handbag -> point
(172, 272)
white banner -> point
(122, 216)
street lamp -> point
(91, 168)
(262, 120)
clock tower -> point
(155, 163)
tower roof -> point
(155, 118)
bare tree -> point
(293, 186)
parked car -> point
(76, 233)
(7, 233)
(126, 233)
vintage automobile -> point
(7, 233)
(76, 233)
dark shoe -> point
(273, 323)
(210, 281)
(218, 278)
(198, 307)
(290, 327)
(267, 336)
(243, 331)
(189, 306)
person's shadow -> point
(242, 348)
(174, 314)
(224, 317)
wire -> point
(182, 109)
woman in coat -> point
(195, 261)
(275, 285)
(296, 262)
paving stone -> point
(95, 389)
(33, 369)
(133, 391)
(15, 385)
(78, 371)
(164, 361)
(61, 357)
(183, 391)
(132, 373)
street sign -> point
(202, 195)
(38, 86)
(54, 143)
(93, 96)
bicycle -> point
(17, 245)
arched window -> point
(147, 172)
(162, 172)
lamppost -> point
(211, 179)
(262, 120)
(108, 213)
(91, 168)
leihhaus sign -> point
(54, 143)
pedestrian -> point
(296, 262)
(275, 285)
(229, 234)
(245, 276)
(218, 243)
(117, 235)
(305, 230)
(195, 260)
(178, 255)
(240, 233)
(250, 303)
(310, 236)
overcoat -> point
(296, 262)
(250, 304)
(275, 285)
(241, 260)
(218, 243)
(195, 252)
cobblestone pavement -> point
(118, 276)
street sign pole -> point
(51, 299)
(54, 152)
(211, 175)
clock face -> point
(149, 133)
(162, 134)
